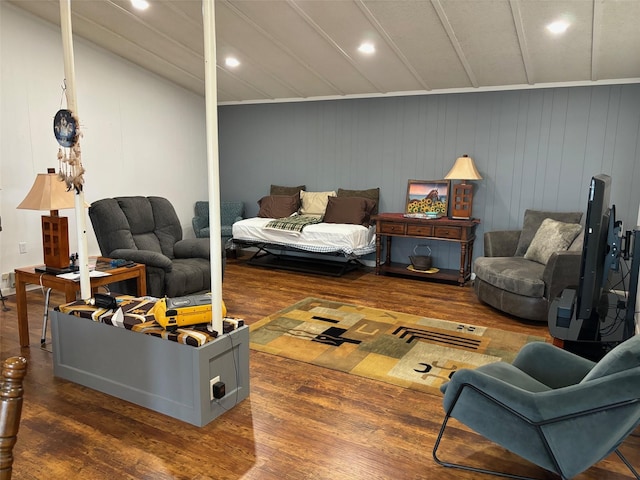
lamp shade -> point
(463, 169)
(48, 193)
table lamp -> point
(462, 193)
(50, 193)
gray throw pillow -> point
(532, 221)
(552, 236)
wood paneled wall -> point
(534, 148)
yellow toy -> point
(172, 313)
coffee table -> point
(30, 275)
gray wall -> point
(535, 149)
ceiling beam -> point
(596, 37)
(282, 47)
(320, 31)
(437, 5)
(516, 12)
(392, 45)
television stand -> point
(611, 323)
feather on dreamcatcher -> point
(67, 133)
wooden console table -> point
(391, 225)
(70, 288)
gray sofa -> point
(508, 280)
(147, 230)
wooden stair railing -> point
(11, 393)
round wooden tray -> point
(431, 270)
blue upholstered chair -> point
(230, 212)
(558, 410)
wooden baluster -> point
(11, 392)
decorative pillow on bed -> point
(278, 206)
(552, 236)
(371, 193)
(314, 203)
(353, 210)
(280, 190)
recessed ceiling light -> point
(367, 47)
(140, 4)
(231, 62)
(558, 27)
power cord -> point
(237, 373)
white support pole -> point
(211, 102)
(70, 81)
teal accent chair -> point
(230, 213)
(560, 411)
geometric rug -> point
(411, 351)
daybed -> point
(293, 220)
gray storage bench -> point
(168, 377)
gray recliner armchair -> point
(559, 411)
(147, 230)
(521, 281)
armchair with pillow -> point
(522, 271)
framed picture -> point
(427, 197)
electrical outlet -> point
(212, 382)
(22, 247)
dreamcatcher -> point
(67, 133)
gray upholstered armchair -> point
(147, 230)
(522, 281)
(230, 213)
(560, 411)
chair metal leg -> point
(3, 298)
(626, 462)
(45, 317)
(467, 467)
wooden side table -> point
(391, 225)
(29, 275)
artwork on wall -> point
(427, 198)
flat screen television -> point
(599, 248)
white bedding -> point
(319, 238)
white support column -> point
(72, 104)
(211, 101)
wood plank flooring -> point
(299, 422)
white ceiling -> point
(307, 49)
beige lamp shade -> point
(48, 193)
(463, 169)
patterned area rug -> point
(406, 350)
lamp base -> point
(462, 200)
(55, 241)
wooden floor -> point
(299, 422)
